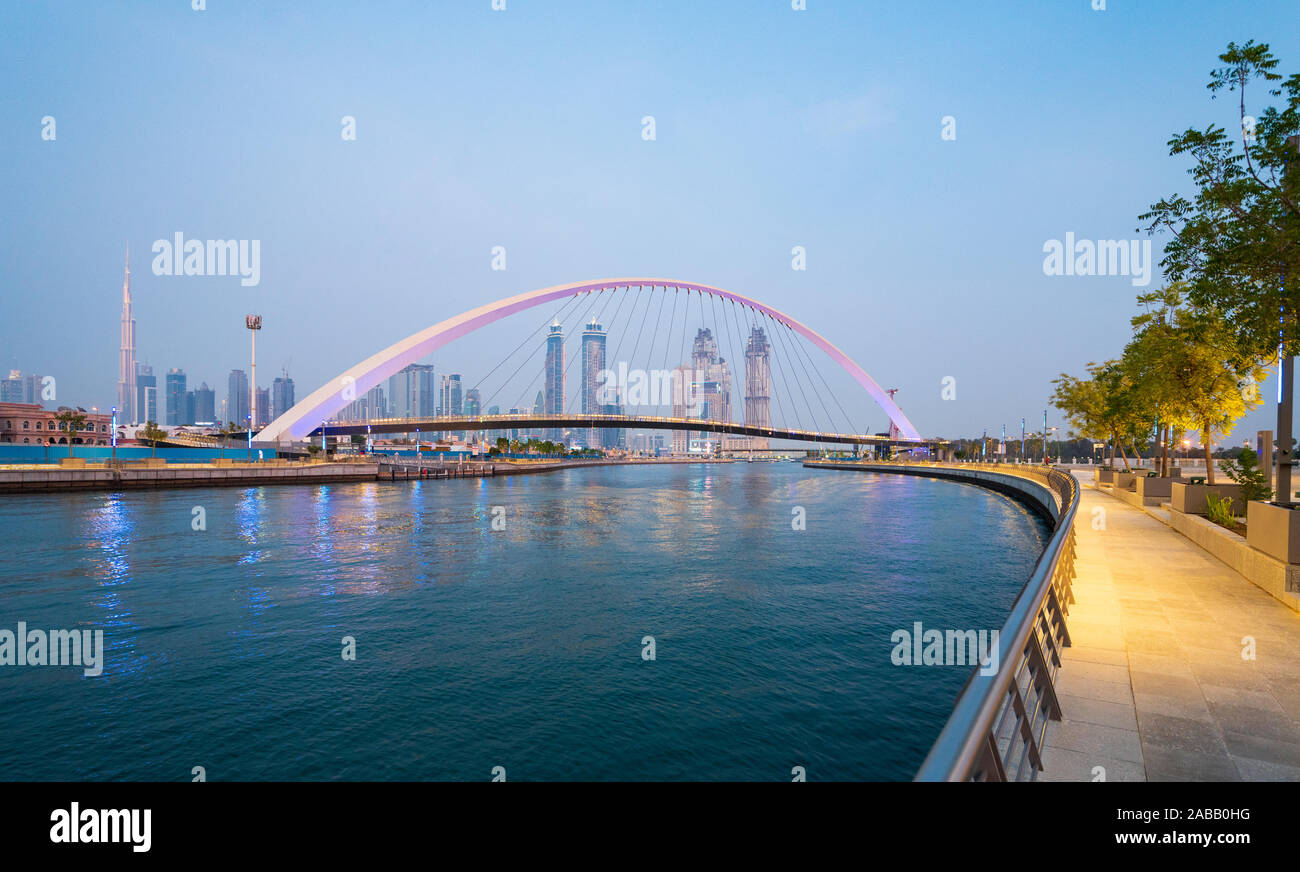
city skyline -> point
(858, 168)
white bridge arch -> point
(299, 421)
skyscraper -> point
(11, 389)
(593, 362)
(449, 400)
(263, 407)
(33, 388)
(237, 397)
(412, 392)
(176, 413)
(205, 405)
(553, 379)
(126, 358)
(758, 383)
(702, 389)
(146, 394)
(281, 396)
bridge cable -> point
(811, 384)
(554, 317)
(790, 412)
(775, 394)
(578, 353)
(541, 376)
(713, 310)
(668, 336)
(623, 333)
(525, 362)
(853, 428)
(649, 301)
(800, 391)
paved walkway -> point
(1155, 686)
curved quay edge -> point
(1033, 494)
(963, 738)
(336, 393)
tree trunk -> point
(1119, 442)
(1164, 451)
(1282, 470)
(1209, 461)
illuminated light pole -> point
(1044, 436)
(253, 323)
(322, 437)
(250, 437)
(113, 440)
(417, 444)
(1022, 440)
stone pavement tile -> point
(1226, 695)
(1232, 672)
(1096, 711)
(1097, 740)
(1090, 654)
(1289, 700)
(1099, 671)
(1165, 684)
(1261, 748)
(1180, 734)
(1151, 641)
(1252, 721)
(1163, 764)
(1064, 765)
(1195, 708)
(1213, 652)
(1258, 770)
(1107, 691)
(1160, 664)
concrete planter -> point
(1151, 491)
(1190, 499)
(1105, 476)
(1273, 530)
(1124, 480)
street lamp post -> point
(113, 440)
(1045, 458)
(253, 323)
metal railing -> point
(997, 726)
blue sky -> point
(522, 128)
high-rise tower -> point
(126, 358)
(758, 383)
(553, 379)
(593, 363)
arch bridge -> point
(315, 413)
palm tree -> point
(153, 433)
(73, 421)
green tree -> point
(152, 433)
(72, 421)
(1189, 370)
(1246, 472)
(1236, 242)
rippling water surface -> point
(520, 648)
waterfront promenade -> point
(1155, 686)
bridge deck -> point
(583, 422)
(1155, 687)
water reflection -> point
(111, 529)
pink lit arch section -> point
(328, 399)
